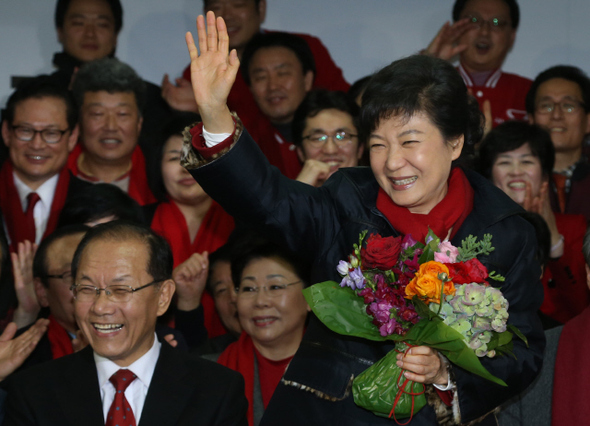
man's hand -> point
(423, 365)
(314, 172)
(213, 73)
(179, 96)
(445, 45)
(22, 265)
(190, 278)
(13, 352)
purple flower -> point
(355, 280)
(388, 328)
(343, 267)
(380, 311)
(408, 242)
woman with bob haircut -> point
(416, 120)
(518, 158)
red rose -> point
(468, 272)
(380, 253)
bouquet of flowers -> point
(415, 294)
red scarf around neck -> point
(59, 339)
(239, 356)
(448, 213)
(138, 189)
(11, 207)
(571, 391)
(214, 231)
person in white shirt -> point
(122, 283)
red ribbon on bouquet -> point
(402, 391)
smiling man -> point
(110, 96)
(559, 102)
(483, 33)
(40, 129)
(122, 283)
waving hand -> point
(213, 72)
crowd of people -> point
(219, 196)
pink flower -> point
(447, 253)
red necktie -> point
(120, 412)
(32, 198)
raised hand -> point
(22, 266)
(213, 72)
(180, 95)
(190, 278)
(13, 352)
(445, 45)
(314, 172)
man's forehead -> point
(274, 57)
(491, 7)
(62, 250)
(559, 88)
(117, 255)
(110, 99)
(33, 108)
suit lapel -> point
(169, 390)
(78, 392)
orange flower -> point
(427, 284)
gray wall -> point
(362, 35)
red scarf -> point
(214, 231)
(572, 373)
(138, 189)
(239, 356)
(448, 213)
(59, 339)
(12, 209)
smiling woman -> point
(273, 313)
(417, 118)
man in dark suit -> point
(121, 285)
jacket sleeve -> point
(252, 191)
(514, 258)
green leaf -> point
(376, 388)
(519, 334)
(341, 310)
(437, 335)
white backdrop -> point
(362, 35)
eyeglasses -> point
(568, 106)
(272, 290)
(66, 277)
(341, 139)
(495, 24)
(27, 134)
(115, 293)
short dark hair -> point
(512, 5)
(422, 84)
(40, 266)
(39, 87)
(61, 8)
(206, 3)
(222, 254)
(511, 135)
(109, 75)
(566, 72)
(266, 250)
(174, 126)
(99, 201)
(278, 39)
(358, 87)
(317, 101)
(160, 260)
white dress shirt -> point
(42, 209)
(136, 392)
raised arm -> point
(213, 72)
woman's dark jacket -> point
(323, 224)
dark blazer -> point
(323, 224)
(185, 390)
